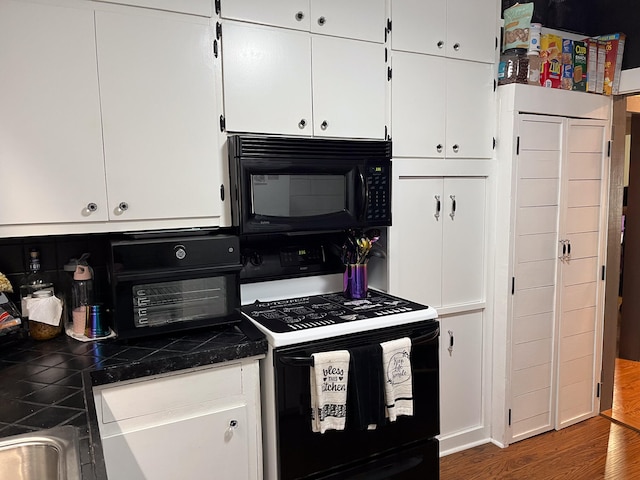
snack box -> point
(551, 58)
(592, 64)
(566, 82)
(614, 46)
(579, 62)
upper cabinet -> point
(288, 82)
(50, 127)
(357, 19)
(202, 8)
(462, 29)
(108, 112)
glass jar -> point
(43, 331)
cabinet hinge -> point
(386, 132)
(389, 73)
(495, 48)
(217, 5)
(218, 30)
(215, 48)
(598, 390)
(494, 143)
(604, 270)
(609, 148)
(495, 84)
(222, 192)
(517, 145)
(386, 55)
(388, 25)
(513, 285)
(223, 123)
(509, 417)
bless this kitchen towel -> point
(329, 376)
(396, 362)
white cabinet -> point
(441, 108)
(160, 116)
(437, 241)
(50, 127)
(287, 82)
(461, 374)
(202, 8)
(201, 423)
(357, 19)
(109, 112)
(553, 194)
(461, 29)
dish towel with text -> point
(398, 390)
(329, 377)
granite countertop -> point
(49, 383)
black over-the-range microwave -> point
(296, 184)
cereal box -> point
(551, 57)
(614, 46)
(579, 62)
(592, 63)
(602, 52)
(567, 64)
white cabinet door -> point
(418, 105)
(349, 88)
(267, 80)
(463, 219)
(470, 117)
(160, 116)
(437, 257)
(580, 295)
(50, 131)
(415, 240)
(203, 447)
(357, 19)
(461, 364)
(461, 29)
(441, 107)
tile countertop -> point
(49, 383)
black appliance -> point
(281, 184)
(164, 285)
(406, 449)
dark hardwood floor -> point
(593, 449)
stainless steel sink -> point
(45, 455)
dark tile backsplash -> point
(55, 252)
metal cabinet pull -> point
(456, 46)
(322, 21)
(324, 125)
(122, 207)
(299, 16)
(456, 147)
(453, 206)
(438, 206)
(439, 148)
(302, 123)
(92, 207)
(440, 44)
(450, 349)
(568, 250)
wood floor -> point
(593, 449)
(626, 394)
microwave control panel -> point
(378, 184)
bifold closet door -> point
(537, 186)
(580, 286)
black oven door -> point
(284, 185)
(405, 449)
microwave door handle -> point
(364, 194)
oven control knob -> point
(255, 259)
(180, 252)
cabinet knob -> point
(322, 21)
(440, 44)
(456, 46)
(92, 207)
(233, 424)
(302, 123)
(122, 206)
(324, 125)
(299, 16)
(455, 148)
(439, 148)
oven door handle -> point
(429, 337)
(364, 195)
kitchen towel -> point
(329, 380)
(396, 364)
(365, 391)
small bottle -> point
(35, 280)
(82, 296)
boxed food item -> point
(567, 64)
(614, 47)
(602, 53)
(551, 57)
(579, 62)
(517, 21)
(592, 63)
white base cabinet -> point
(202, 423)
